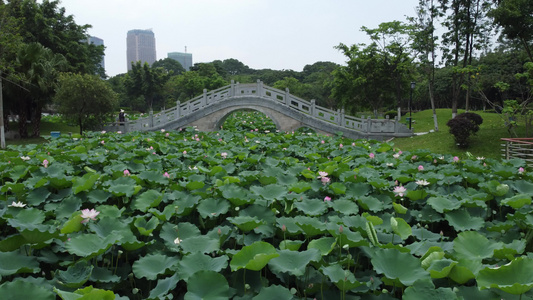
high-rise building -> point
(185, 59)
(98, 42)
(140, 47)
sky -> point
(262, 34)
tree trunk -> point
(36, 120)
(2, 119)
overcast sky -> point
(263, 34)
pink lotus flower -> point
(520, 170)
(166, 175)
(399, 191)
(322, 142)
(322, 174)
(45, 163)
(102, 142)
(420, 168)
(224, 155)
(127, 172)
(184, 152)
(326, 199)
(455, 159)
(340, 146)
(371, 155)
(324, 180)
(88, 215)
(167, 134)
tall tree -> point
(515, 17)
(86, 100)
(170, 66)
(425, 44)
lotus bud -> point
(219, 231)
(135, 291)
(283, 228)
(341, 229)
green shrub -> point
(391, 113)
(462, 126)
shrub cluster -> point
(462, 126)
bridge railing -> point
(258, 89)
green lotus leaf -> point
(202, 243)
(371, 203)
(310, 226)
(517, 201)
(30, 218)
(325, 245)
(523, 187)
(153, 177)
(509, 251)
(266, 180)
(312, 207)
(146, 227)
(43, 234)
(379, 183)
(166, 214)
(194, 185)
(308, 174)
(146, 200)
(461, 220)
(338, 188)
(246, 223)
(358, 189)
(84, 183)
(345, 207)
(514, 278)
(425, 289)
(236, 194)
(343, 279)
(98, 196)
(185, 203)
(21, 289)
(123, 186)
(152, 265)
(401, 228)
(415, 195)
(99, 274)
(274, 292)
(37, 196)
(465, 270)
(218, 288)
(212, 208)
(473, 292)
(163, 287)
(12, 243)
(253, 257)
(398, 208)
(110, 211)
(76, 275)
(197, 261)
(15, 262)
(293, 245)
(169, 232)
(400, 266)
(300, 187)
(88, 293)
(66, 207)
(294, 262)
(270, 192)
(89, 245)
(472, 245)
(443, 204)
(441, 268)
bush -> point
(462, 126)
(391, 113)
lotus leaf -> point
(270, 192)
(37, 196)
(146, 227)
(212, 208)
(84, 183)
(253, 257)
(218, 286)
(345, 207)
(400, 227)
(443, 204)
(425, 289)
(514, 278)
(274, 292)
(236, 194)
(100, 274)
(465, 270)
(88, 293)
(310, 226)
(293, 262)
(517, 201)
(461, 220)
(399, 266)
(21, 289)
(343, 279)
(300, 187)
(202, 243)
(293, 245)
(153, 265)
(197, 261)
(15, 262)
(472, 245)
(312, 207)
(441, 268)
(246, 223)
(146, 200)
(371, 203)
(89, 245)
(75, 276)
(164, 286)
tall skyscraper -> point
(98, 42)
(141, 47)
(185, 59)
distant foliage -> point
(464, 125)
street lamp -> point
(413, 84)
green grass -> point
(485, 143)
(46, 128)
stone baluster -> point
(259, 92)
(151, 119)
(287, 97)
(178, 109)
(204, 98)
(312, 108)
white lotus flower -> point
(17, 204)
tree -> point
(515, 17)
(424, 43)
(86, 100)
(169, 65)
(146, 82)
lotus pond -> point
(258, 214)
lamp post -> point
(413, 84)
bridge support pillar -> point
(259, 88)
(232, 88)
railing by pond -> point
(237, 90)
(518, 148)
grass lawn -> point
(485, 143)
(46, 128)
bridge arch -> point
(289, 113)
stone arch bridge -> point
(209, 111)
